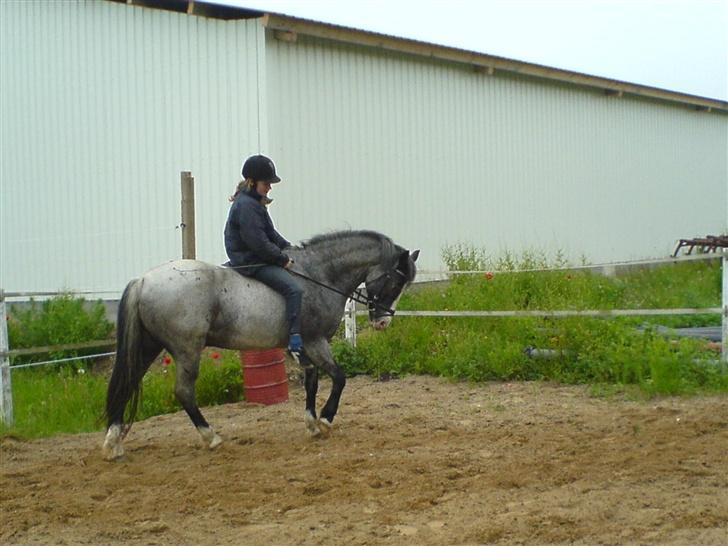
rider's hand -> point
(288, 265)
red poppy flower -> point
(215, 355)
(167, 361)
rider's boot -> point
(295, 347)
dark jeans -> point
(285, 284)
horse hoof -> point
(113, 448)
(324, 427)
(215, 442)
(311, 424)
(112, 452)
(209, 437)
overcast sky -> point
(680, 45)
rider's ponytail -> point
(243, 185)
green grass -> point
(66, 400)
(617, 351)
(46, 402)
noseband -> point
(372, 301)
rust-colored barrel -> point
(264, 376)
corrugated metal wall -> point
(434, 154)
(103, 105)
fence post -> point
(6, 389)
(724, 353)
(350, 322)
(188, 216)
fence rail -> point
(55, 348)
(32, 294)
(59, 360)
(565, 313)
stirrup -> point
(296, 355)
(295, 347)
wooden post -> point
(188, 216)
(350, 322)
(6, 389)
(725, 311)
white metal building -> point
(103, 103)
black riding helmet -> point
(259, 167)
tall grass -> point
(618, 351)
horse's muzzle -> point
(380, 323)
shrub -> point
(64, 319)
(618, 351)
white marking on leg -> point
(112, 448)
(210, 437)
(325, 426)
(311, 423)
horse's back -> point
(188, 278)
(210, 305)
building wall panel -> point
(103, 105)
(434, 153)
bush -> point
(64, 319)
(617, 351)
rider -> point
(255, 247)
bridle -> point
(373, 300)
(370, 300)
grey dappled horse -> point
(185, 305)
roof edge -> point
(483, 61)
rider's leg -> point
(285, 284)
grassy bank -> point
(618, 351)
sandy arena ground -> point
(417, 460)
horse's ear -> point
(414, 255)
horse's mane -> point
(389, 248)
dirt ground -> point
(417, 460)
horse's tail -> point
(125, 384)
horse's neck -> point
(345, 265)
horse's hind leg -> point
(188, 368)
(320, 352)
(112, 447)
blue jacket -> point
(250, 237)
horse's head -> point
(384, 286)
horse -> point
(185, 305)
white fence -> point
(350, 315)
(6, 399)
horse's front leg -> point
(311, 382)
(320, 353)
